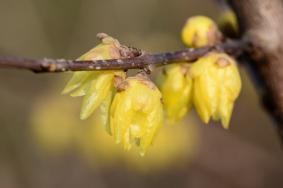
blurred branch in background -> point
(261, 22)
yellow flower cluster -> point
(130, 109)
(211, 84)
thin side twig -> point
(234, 47)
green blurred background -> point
(44, 144)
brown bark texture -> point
(261, 22)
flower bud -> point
(176, 90)
(228, 23)
(217, 85)
(95, 86)
(136, 113)
(200, 31)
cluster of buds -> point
(130, 108)
(211, 84)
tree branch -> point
(141, 61)
(261, 21)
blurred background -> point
(43, 144)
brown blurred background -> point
(43, 144)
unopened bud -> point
(200, 31)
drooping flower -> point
(136, 113)
(217, 85)
(176, 90)
(97, 87)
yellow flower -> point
(228, 22)
(217, 85)
(97, 87)
(136, 113)
(200, 31)
(176, 90)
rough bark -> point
(261, 22)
